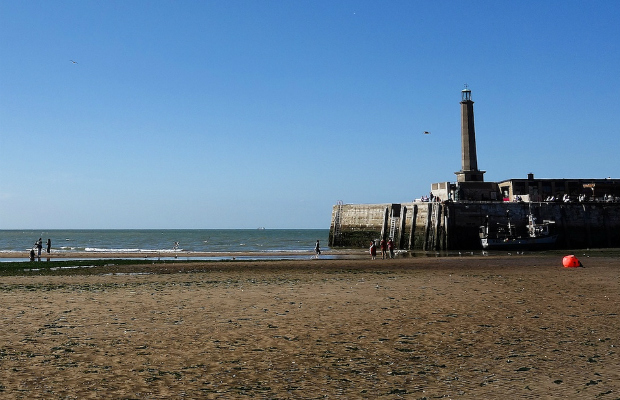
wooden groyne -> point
(455, 225)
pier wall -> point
(455, 225)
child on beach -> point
(383, 246)
(391, 247)
(373, 250)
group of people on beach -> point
(39, 246)
(385, 248)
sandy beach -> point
(60, 255)
(414, 328)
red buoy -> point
(571, 262)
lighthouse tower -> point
(469, 161)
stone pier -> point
(455, 225)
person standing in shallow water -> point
(49, 245)
(39, 244)
(317, 249)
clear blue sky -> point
(240, 114)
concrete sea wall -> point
(455, 225)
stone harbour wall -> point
(455, 225)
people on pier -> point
(431, 198)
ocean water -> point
(163, 241)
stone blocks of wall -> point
(358, 224)
(452, 226)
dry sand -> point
(414, 328)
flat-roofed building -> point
(532, 189)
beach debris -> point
(571, 262)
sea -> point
(167, 241)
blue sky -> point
(240, 114)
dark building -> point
(560, 190)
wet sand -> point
(470, 327)
(61, 255)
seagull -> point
(74, 62)
(427, 133)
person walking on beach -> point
(373, 250)
(49, 245)
(383, 246)
(317, 249)
(39, 245)
(391, 247)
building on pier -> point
(586, 211)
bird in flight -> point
(427, 133)
(74, 62)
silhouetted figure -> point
(317, 249)
(39, 245)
